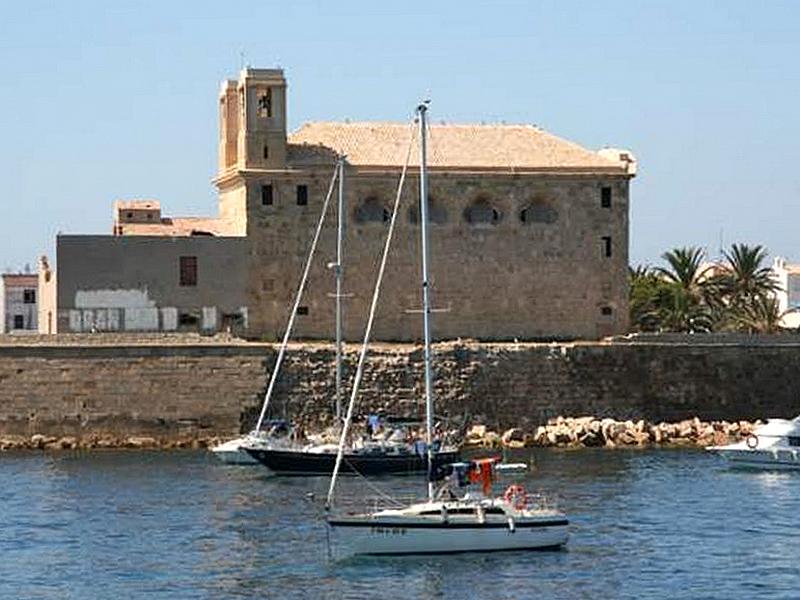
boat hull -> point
(298, 462)
(779, 459)
(232, 453)
(396, 538)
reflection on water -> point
(663, 523)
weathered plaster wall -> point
(132, 283)
(95, 384)
(511, 279)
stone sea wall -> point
(186, 390)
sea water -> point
(180, 524)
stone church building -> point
(529, 232)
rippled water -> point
(667, 524)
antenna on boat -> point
(422, 111)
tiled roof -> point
(21, 279)
(176, 227)
(501, 147)
(137, 205)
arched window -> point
(539, 211)
(481, 212)
(437, 213)
(372, 210)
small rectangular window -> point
(29, 296)
(266, 195)
(302, 195)
(606, 245)
(302, 310)
(605, 197)
(19, 322)
(188, 270)
(187, 318)
(606, 311)
(266, 152)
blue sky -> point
(107, 100)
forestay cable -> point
(298, 297)
(370, 320)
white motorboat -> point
(444, 522)
(774, 445)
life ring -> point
(752, 441)
(516, 496)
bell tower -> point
(261, 101)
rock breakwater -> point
(49, 442)
(560, 432)
(588, 432)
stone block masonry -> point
(177, 387)
(167, 390)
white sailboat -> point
(443, 522)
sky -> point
(108, 100)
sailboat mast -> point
(339, 270)
(426, 304)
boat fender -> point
(444, 514)
(481, 514)
(752, 441)
(516, 496)
(512, 528)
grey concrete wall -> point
(132, 282)
(539, 280)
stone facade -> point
(495, 281)
(167, 387)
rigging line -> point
(370, 319)
(372, 486)
(274, 376)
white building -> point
(788, 277)
(18, 303)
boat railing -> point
(540, 501)
(359, 504)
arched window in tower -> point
(539, 211)
(481, 212)
(437, 213)
(372, 210)
(265, 102)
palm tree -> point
(747, 277)
(683, 301)
(748, 287)
(762, 315)
(644, 291)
